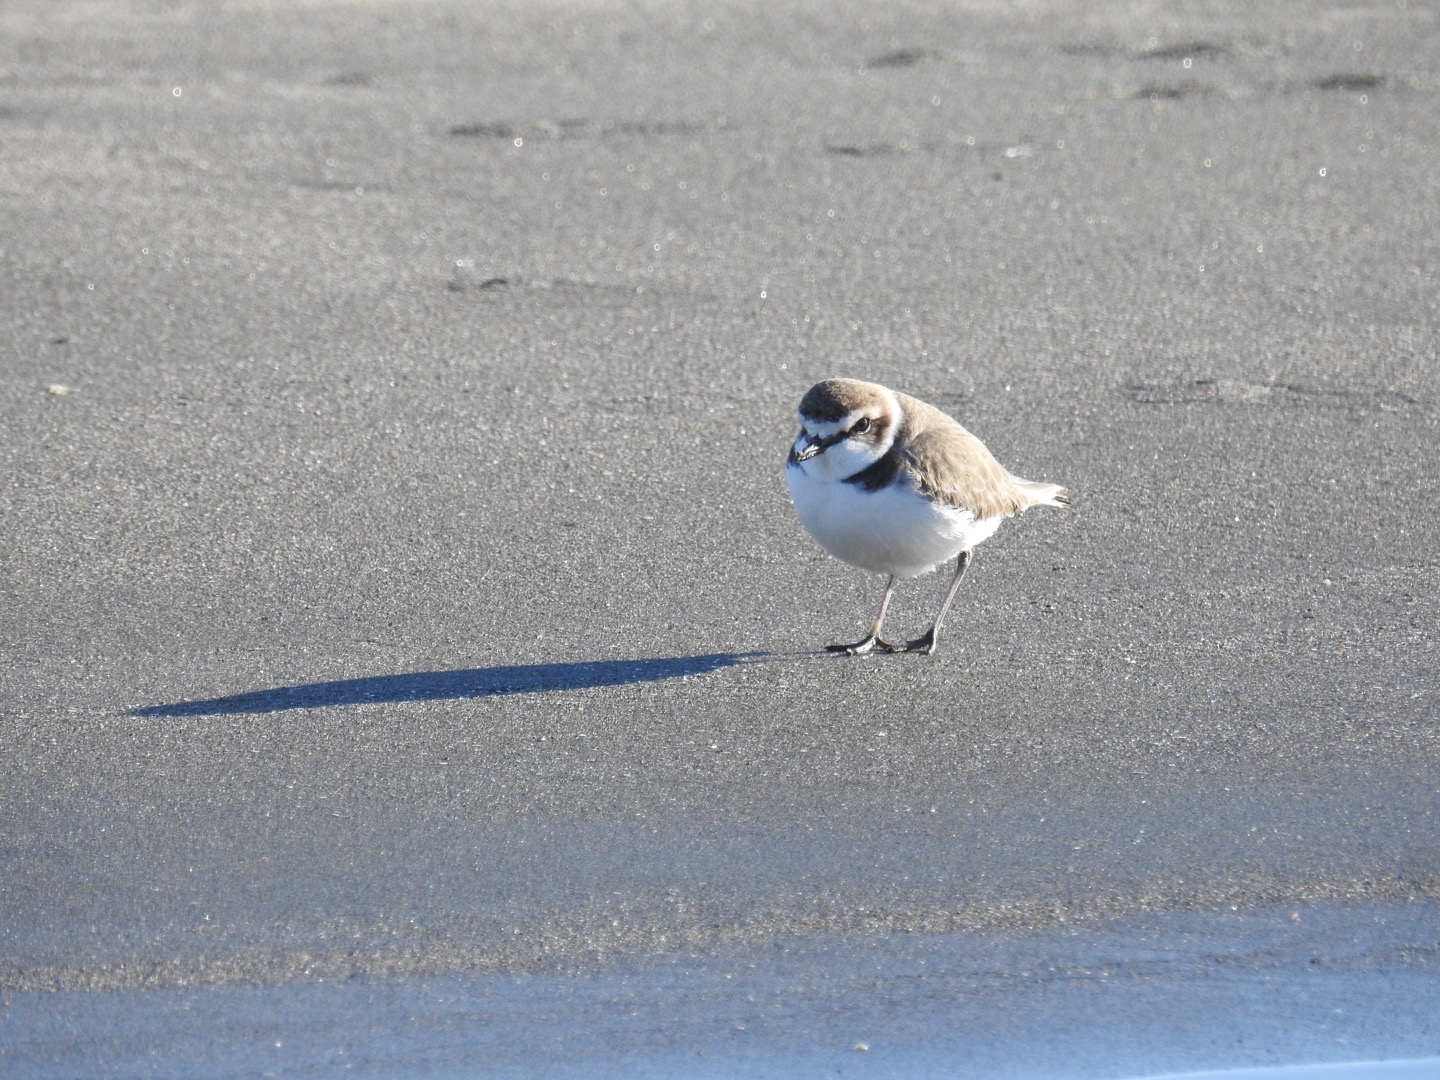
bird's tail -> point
(1043, 494)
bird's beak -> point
(818, 444)
(813, 445)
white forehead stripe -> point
(830, 427)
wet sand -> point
(1109, 998)
(401, 590)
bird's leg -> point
(860, 648)
(926, 642)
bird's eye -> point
(861, 426)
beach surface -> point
(409, 658)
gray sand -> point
(399, 584)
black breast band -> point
(880, 473)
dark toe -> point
(860, 648)
(925, 644)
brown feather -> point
(959, 470)
(949, 464)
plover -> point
(895, 486)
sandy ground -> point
(401, 600)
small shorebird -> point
(890, 484)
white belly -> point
(895, 530)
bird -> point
(885, 482)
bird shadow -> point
(447, 685)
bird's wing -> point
(954, 467)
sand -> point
(400, 590)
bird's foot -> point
(924, 644)
(860, 648)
